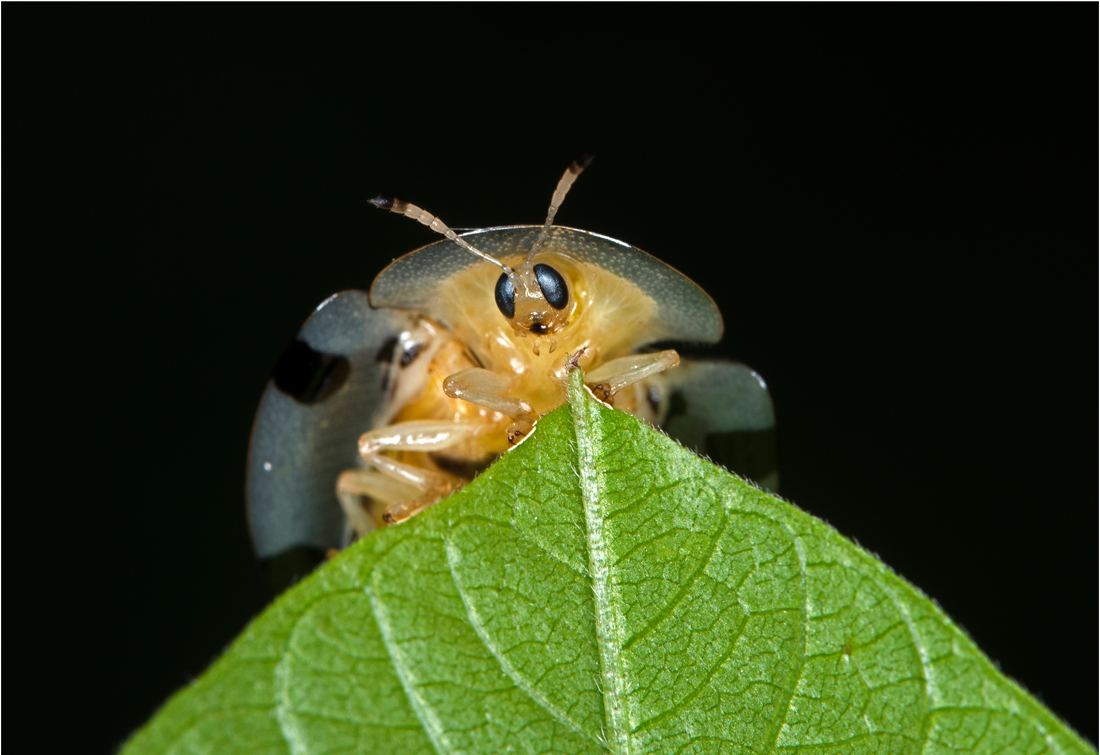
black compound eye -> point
(552, 285)
(506, 296)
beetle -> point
(387, 402)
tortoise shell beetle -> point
(389, 401)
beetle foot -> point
(517, 431)
(603, 392)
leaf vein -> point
(432, 726)
(805, 629)
(925, 662)
(684, 589)
(524, 539)
(700, 687)
(506, 666)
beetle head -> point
(535, 298)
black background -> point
(895, 209)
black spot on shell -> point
(307, 375)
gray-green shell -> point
(684, 311)
(723, 410)
(299, 448)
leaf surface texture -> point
(602, 589)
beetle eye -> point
(506, 296)
(552, 285)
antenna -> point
(571, 173)
(437, 225)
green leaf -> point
(602, 589)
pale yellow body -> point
(494, 343)
(438, 440)
(603, 323)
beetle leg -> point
(354, 484)
(416, 435)
(611, 377)
(487, 388)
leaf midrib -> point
(608, 619)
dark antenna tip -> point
(584, 161)
(382, 202)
